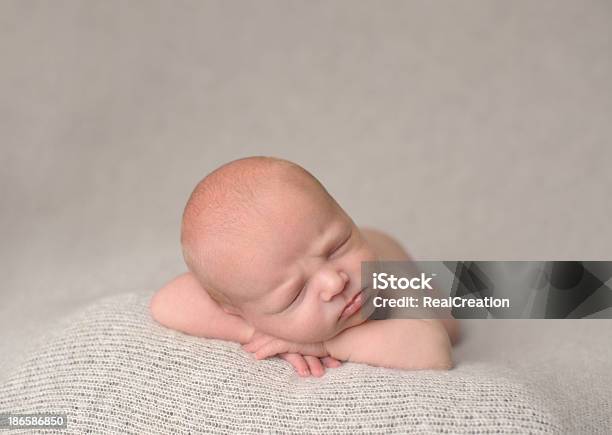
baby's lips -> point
(354, 305)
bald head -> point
(225, 204)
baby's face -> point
(300, 267)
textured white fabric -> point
(112, 369)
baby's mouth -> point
(353, 305)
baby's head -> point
(269, 244)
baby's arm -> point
(184, 305)
(409, 344)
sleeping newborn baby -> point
(275, 265)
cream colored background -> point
(470, 130)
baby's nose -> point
(337, 283)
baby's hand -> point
(306, 364)
(264, 346)
(302, 356)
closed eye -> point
(337, 248)
(297, 295)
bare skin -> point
(293, 269)
(180, 303)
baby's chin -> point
(356, 319)
(317, 336)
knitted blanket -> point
(112, 369)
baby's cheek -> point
(307, 326)
(312, 330)
(286, 328)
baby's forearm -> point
(185, 306)
(230, 328)
(409, 344)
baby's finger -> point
(298, 362)
(330, 362)
(316, 368)
(274, 347)
(257, 342)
